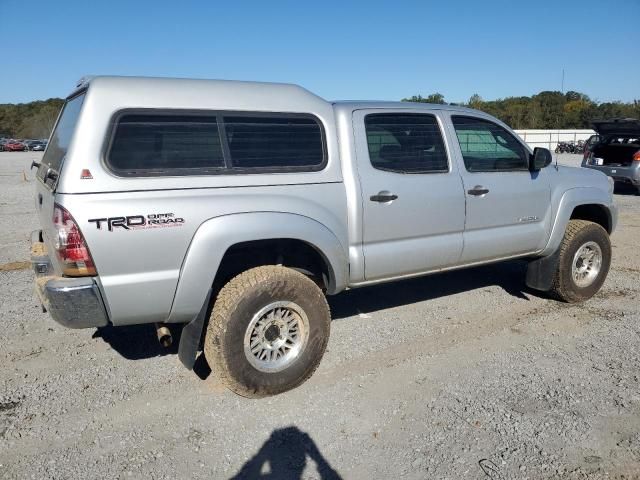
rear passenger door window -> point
(487, 147)
(405, 143)
(165, 144)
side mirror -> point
(541, 158)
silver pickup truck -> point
(235, 207)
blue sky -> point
(337, 49)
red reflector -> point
(86, 175)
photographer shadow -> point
(284, 457)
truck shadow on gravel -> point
(138, 342)
(510, 276)
(284, 457)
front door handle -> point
(383, 197)
(478, 190)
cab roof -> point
(374, 104)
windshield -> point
(63, 133)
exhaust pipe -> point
(164, 335)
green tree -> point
(29, 120)
(433, 98)
(476, 102)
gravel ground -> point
(461, 375)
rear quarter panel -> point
(139, 267)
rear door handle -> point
(383, 197)
(478, 190)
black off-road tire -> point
(237, 303)
(578, 233)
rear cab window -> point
(60, 139)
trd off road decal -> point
(153, 220)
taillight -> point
(636, 156)
(588, 156)
(70, 246)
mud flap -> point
(540, 272)
(191, 335)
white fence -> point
(550, 138)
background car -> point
(15, 146)
(617, 151)
(37, 146)
(32, 144)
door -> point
(413, 202)
(508, 207)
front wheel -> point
(268, 331)
(585, 258)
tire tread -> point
(227, 301)
(560, 288)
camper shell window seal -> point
(228, 168)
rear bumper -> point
(72, 302)
(630, 175)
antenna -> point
(562, 84)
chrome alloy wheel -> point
(276, 336)
(586, 264)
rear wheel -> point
(268, 331)
(585, 257)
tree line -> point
(546, 110)
(29, 120)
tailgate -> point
(620, 174)
(51, 168)
(45, 199)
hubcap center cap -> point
(272, 333)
